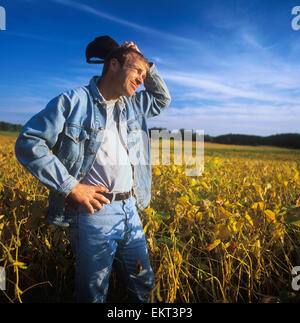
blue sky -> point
(232, 66)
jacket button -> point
(93, 153)
(101, 128)
(82, 175)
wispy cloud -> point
(124, 22)
(219, 119)
(233, 74)
(250, 89)
(25, 104)
(218, 88)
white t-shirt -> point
(111, 167)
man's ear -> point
(114, 65)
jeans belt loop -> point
(113, 196)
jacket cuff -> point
(67, 186)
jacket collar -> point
(97, 96)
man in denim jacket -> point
(90, 147)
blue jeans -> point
(113, 234)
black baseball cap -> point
(100, 47)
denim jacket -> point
(59, 144)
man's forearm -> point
(33, 147)
(155, 85)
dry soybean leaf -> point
(270, 215)
(247, 216)
(213, 245)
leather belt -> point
(118, 196)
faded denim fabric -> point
(59, 144)
(113, 233)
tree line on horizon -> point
(6, 126)
(286, 140)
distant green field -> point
(9, 133)
(253, 152)
(236, 151)
(225, 150)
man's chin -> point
(129, 94)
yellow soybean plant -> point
(229, 235)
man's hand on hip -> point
(87, 195)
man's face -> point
(131, 75)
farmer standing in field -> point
(90, 147)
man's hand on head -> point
(131, 44)
(87, 195)
(134, 46)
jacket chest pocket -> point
(73, 141)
